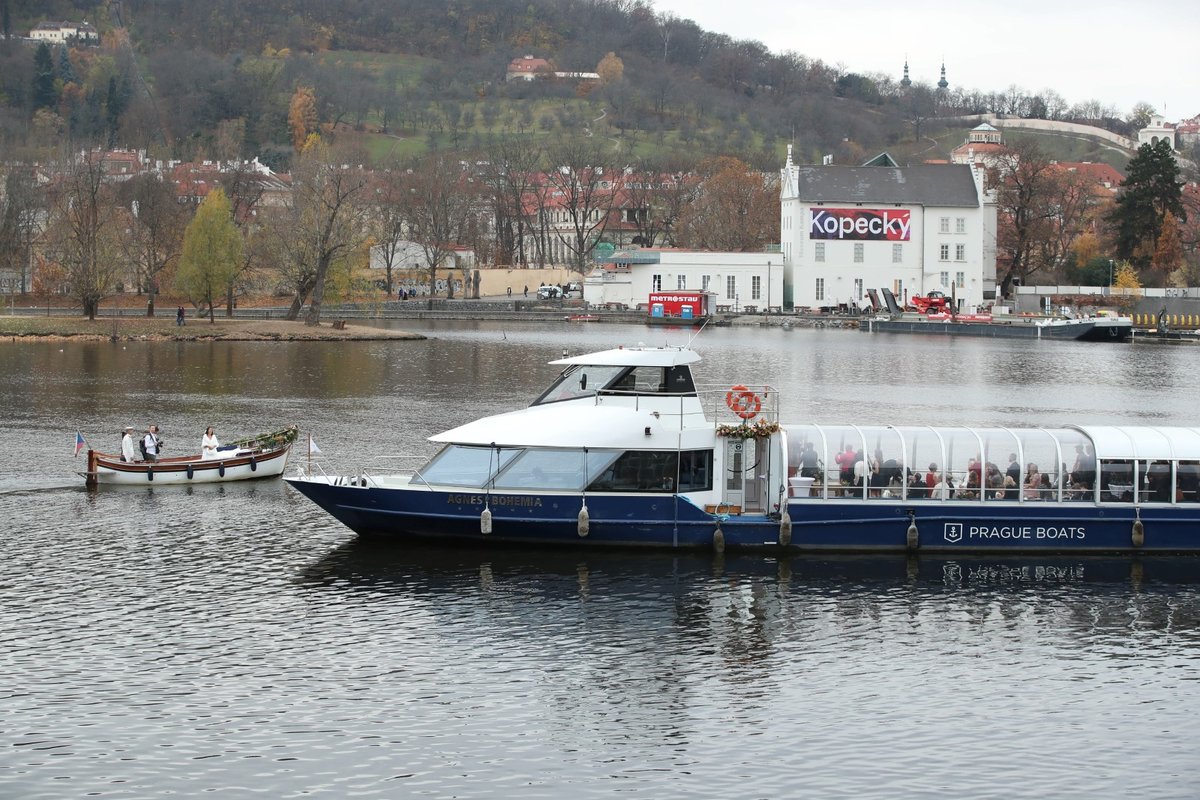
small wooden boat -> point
(262, 456)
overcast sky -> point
(1119, 53)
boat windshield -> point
(580, 381)
(585, 381)
(461, 465)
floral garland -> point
(759, 429)
(269, 441)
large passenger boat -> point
(626, 449)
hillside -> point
(397, 77)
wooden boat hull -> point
(111, 470)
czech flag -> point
(80, 443)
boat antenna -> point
(702, 325)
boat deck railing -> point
(739, 403)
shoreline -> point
(164, 329)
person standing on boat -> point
(128, 454)
(1014, 472)
(808, 462)
(209, 443)
(151, 444)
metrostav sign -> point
(860, 224)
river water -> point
(235, 641)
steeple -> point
(943, 83)
(906, 81)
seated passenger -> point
(1033, 482)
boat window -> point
(695, 470)
(553, 469)
(925, 458)
(885, 463)
(843, 449)
(1116, 481)
(460, 465)
(579, 381)
(1187, 482)
(640, 471)
(1156, 483)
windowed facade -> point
(960, 280)
(704, 281)
(731, 288)
(858, 289)
(897, 254)
(755, 288)
(944, 279)
(656, 283)
(858, 252)
(681, 282)
(943, 252)
(898, 289)
(960, 225)
(960, 253)
(820, 288)
(819, 251)
(943, 225)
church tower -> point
(906, 81)
(943, 84)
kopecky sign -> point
(860, 224)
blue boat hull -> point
(667, 521)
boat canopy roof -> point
(1149, 442)
(568, 426)
(915, 445)
(634, 357)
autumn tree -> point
(1042, 209)
(654, 197)
(82, 233)
(1168, 252)
(1152, 189)
(731, 207)
(302, 116)
(611, 69)
(212, 251)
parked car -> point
(546, 292)
(573, 289)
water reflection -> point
(694, 591)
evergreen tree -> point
(44, 93)
(1151, 190)
(65, 70)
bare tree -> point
(582, 187)
(21, 216)
(439, 202)
(83, 231)
(1042, 210)
(509, 175)
(154, 236)
(323, 222)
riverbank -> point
(196, 330)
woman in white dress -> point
(209, 444)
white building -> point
(745, 282)
(1157, 130)
(909, 229)
(60, 32)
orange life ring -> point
(743, 402)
